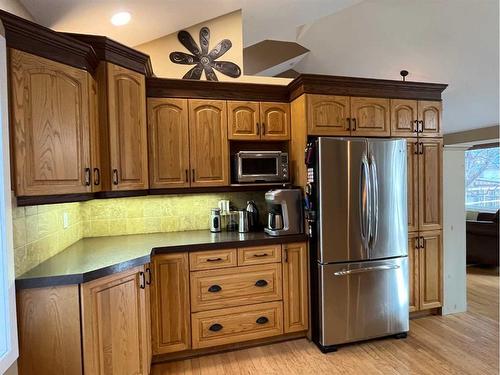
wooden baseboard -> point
(186, 354)
(424, 313)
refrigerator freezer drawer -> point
(363, 300)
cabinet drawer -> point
(216, 289)
(226, 326)
(204, 260)
(259, 255)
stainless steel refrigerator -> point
(361, 241)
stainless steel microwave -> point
(260, 166)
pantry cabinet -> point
(50, 126)
(412, 155)
(168, 137)
(208, 145)
(258, 120)
(122, 110)
(413, 270)
(116, 324)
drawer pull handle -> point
(262, 320)
(215, 327)
(260, 255)
(214, 259)
(214, 289)
(261, 283)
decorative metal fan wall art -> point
(202, 59)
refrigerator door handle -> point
(364, 206)
(384, 267)
(374, 203)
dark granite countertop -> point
(91, 258)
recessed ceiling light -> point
(121, 18)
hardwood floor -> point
(465, 343)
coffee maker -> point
(284, 212)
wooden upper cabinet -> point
(328, 115)
(208, 144)
(50, 126)
(115, 324)
(95, 144)
(370, 117)
(413, 273)
(243, 120)
(429, 115)
(275, 121)
(404, 118)
(430, 171)
(170, 311)
(128, 154)
(430, 270)
(295, 287)
(168, 136)
(412, 156)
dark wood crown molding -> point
(30, 37)
(114, 52)
(183, 88)
(352, 86)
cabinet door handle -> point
(417, 243)
(263, 128)
(97, 176)
(87, 176)
(415, 127)
(262, 320)
(286, 255)
(415, 145)
(348, 121)
(214, 259)
(354, 123)
(187, 175)
(257, 128)
(150, 277)
(192, 175)
(421, 148)
(421, 242)
(215, 327)
(420, 129)
(261, 255)
(215, 289)
(142, 280)
(261, 283)
(115, 176)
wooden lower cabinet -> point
(295, 287)
(170, 311)
(425, 270)
(115, 324)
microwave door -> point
(258, 168)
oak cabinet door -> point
(95, 144)
(115, 326)
(328, 115)
(413, 257)
(127, 128)
(168, 136)
(50, 126)
(412, 158)
(275, 121)
(429, 115)
(170, 311)
(430, 270)
(370, 117)
(295, 287)
(404, 118)
(243, 120)
(208, 146)
(430, 167)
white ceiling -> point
(262, 19)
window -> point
(482, 179)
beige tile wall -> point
(39, 232)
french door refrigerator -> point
(360, 237)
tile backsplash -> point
(39, 231)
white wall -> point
(15, 7)
(454, 250)
(446, 41)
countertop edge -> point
(79, 278)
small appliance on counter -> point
(253, 216)
(260, 166)
(243, 221)
(215, 220)
(284, 212)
